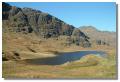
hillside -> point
(99, 37)
(26, 30)
(37, 45)
(44, 25)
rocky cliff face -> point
(27, 20)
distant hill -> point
(99, 37)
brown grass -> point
(88, 67)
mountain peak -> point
(88, 28)
(43, 25)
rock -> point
(67, 29)
(9, 55)
(80, 38)
(14, 10)
(5, 10)
(27, 20)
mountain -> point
(27, 32)
(44, 25)
(99, 37)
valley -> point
(30, 36)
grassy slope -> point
(88, 67)
(85, 68)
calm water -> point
(64, 57)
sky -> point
(101, 15)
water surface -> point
(65, 57)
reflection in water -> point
(64, 57)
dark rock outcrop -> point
(5, 11)
(28, 20)
(79, 38)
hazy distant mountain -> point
(99, 37)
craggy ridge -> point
(27, 20)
